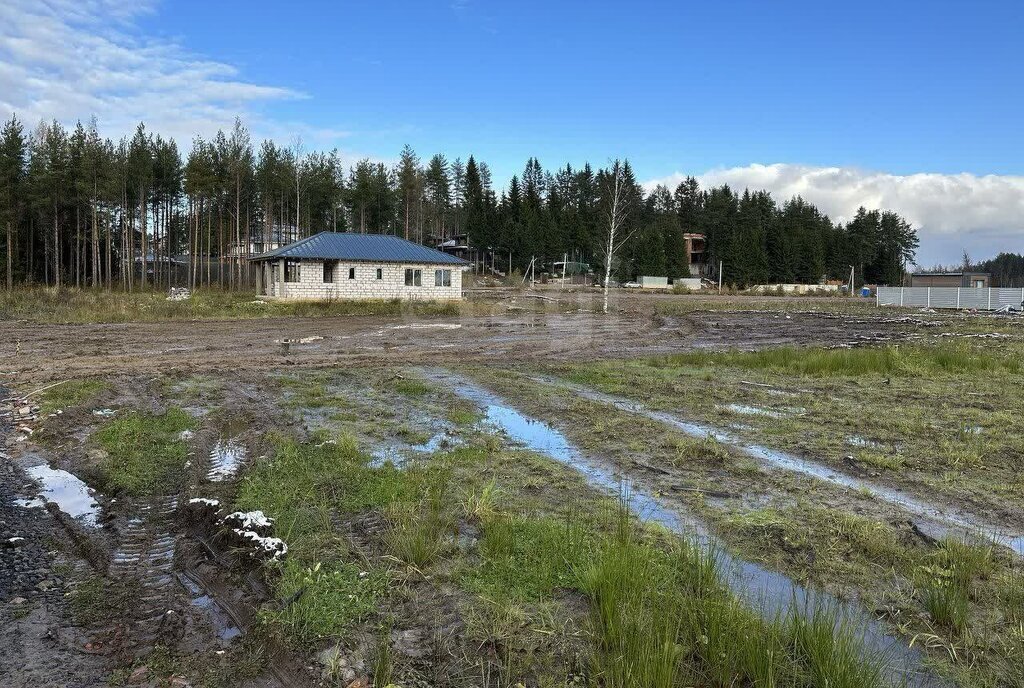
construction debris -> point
(179, 294)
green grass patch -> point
(71, 393)
(463, 413)
(946, 603)
(410, 386)
(418, 534)
(144, 453)
(334, 596)
(526, 558)
(886, 360)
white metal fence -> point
(986, 299)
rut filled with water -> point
(770, 591)
(943, 518)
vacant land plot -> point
(685, 492)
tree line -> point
(1007, 269)
(82, 210)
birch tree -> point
(615, 202)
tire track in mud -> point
(146, 555)
(52, 351)
(932, 516)
(767, 590)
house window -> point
(413, 278)
(291, 271)
(329, 266)
(442, 278)
(979, 284)
(351, 273)
(380, 273)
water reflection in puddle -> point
(223, 626)
(969, 524)
(398, 454)
(225, 459)
(772, 591)
(71, 495)
(863, 442)
(745, 410)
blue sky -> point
(899, 86)
(914, 106)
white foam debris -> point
(185, 435)
(203, 500)
(273, 546)
(979, 335)
(250, 519)
(425, 326)
(103, 412)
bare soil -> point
(151, 543)
(41, 353)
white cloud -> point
(71, 59)
(952, 212)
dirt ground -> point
(152, 543)
(48, 353)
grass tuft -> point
(831, 648)
(418, 536)
(946, 603)
(330, 598)
(145, 455)
(71, 393)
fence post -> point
(929, 297)
(990, 298)
(958, 298)
(901, 295)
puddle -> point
(426, 326)
(222, 623)
(968, 523)
(70, 494)
(863, 442)
(225, 459)
(771, 591)
(746, 410)
(398, 454)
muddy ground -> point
(47, 353)
(159, 579)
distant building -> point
(695, 254)
(261, 240)
(338, 265)
(979, 280)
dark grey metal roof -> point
(375, 248)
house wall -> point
(936, 280)
(966, 279)
(365, 285)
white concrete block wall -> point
(365, 285)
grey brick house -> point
(358, 266)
